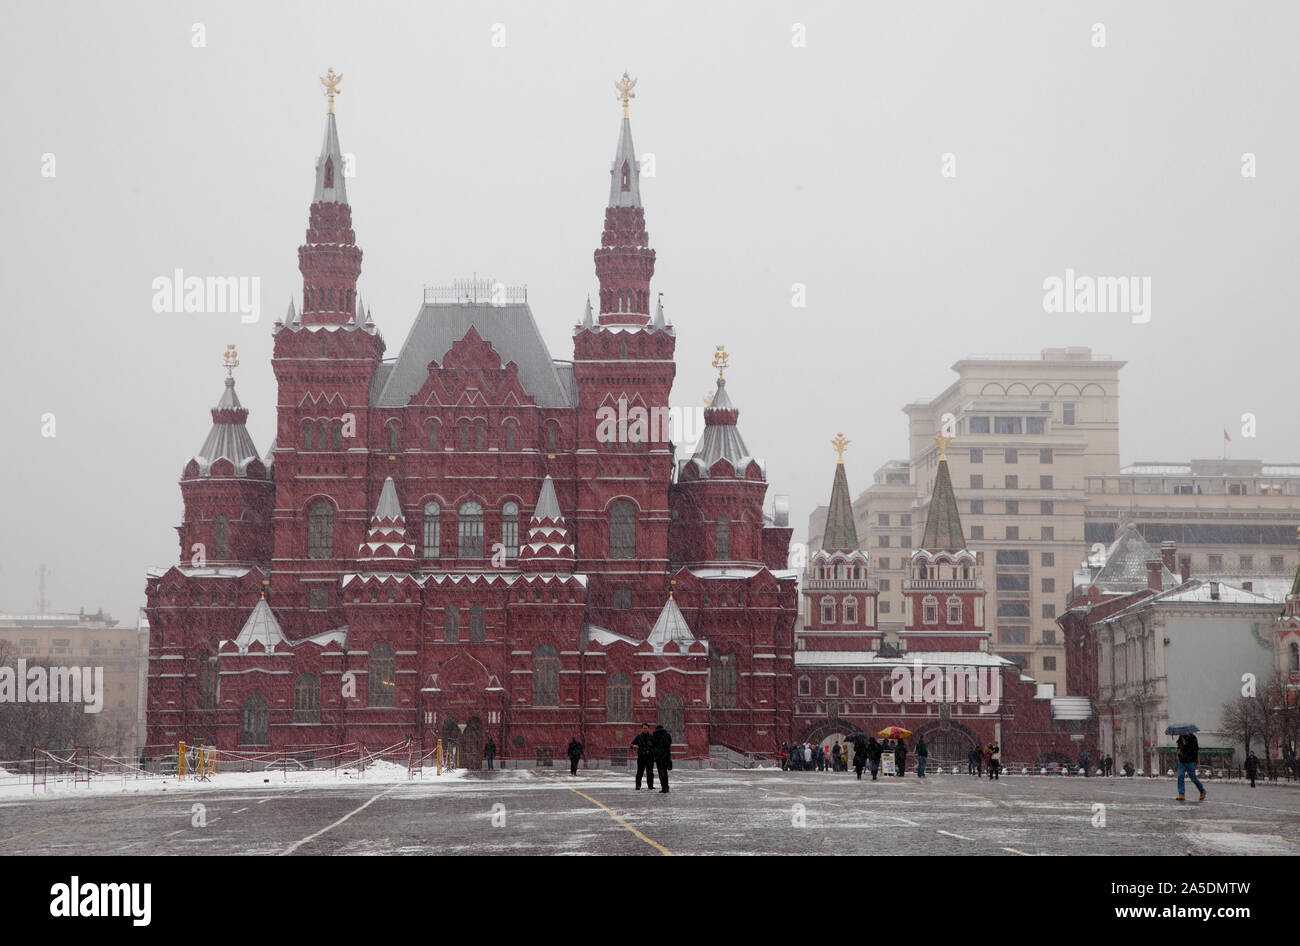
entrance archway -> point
(471, 744)
(948, 743)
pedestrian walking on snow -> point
(575, 753)
(663, 746)
(921, 753)
(1188, 755)
(900, 757)
(1252, 766)
(645, 757)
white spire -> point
(548, 506)
(586, 316)
(329, 168)
(659, 312)
(389, 508)
(670, 628)
(625, 191)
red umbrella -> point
(894, 732)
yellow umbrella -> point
(894, 732)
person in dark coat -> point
(860, 756)
(663, 746)
(1252, 767)
(874, 752)
(900, 757)
(1188, 755)
(994, 761)
(645, 757)
(1108, 765)
(575, 752)
(922, 753)
(490, 752)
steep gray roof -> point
(511, 331)
(330, 150)
(943, 521)
(841, 533)
(1126, 564)
(721, 437)
(548, 506)
(388, 507)
(262, 627)
(228, 438)
(632, 196)
(670, 628)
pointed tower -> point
(1286, 640)
(548, 547)
(387, 543)
(944, 593)
(625, 263)
(839, 597)
(226, 489)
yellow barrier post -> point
(439, 770)
(180, 760)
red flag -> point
(1225, 435)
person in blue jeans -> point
(1188, 754)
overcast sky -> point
(775, 163)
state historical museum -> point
(440, 545)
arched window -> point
(383, 676)
(306, 698)
(476, 624)
(394, 437)
(722, 683)
(432, 529)
(470, 544)
(510, 529)
(724, 538)
(839, 570)
(256, 721)
(323, 350)
(329, 172)
(306, 436)
(546, 676)
(625, 183)
(464, 434)
(510, 436)
(1295, 657)
(480, 435)
(828, 610)
(618, 698)
(930, 609)
(221, 538)
(850, 610)
(622, 349)
(433, 436)
(805, 686)
(451, 625)
(832, 686)
(622, 529)
(954, 609)
(672, 716)
(859, 686)
(320, 530)
(552, 438)
(210, 675)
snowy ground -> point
(707, 812)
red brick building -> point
(448, 545)
(940, 681)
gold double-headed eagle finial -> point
(720, 357)
(943, 442)
(331, 83)
(840, 443)
(625, 86)
(231, 358)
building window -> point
(551, 438)
(724, 538)
(1293, 651)
(722, 684)
(1275, 563)
(320, 530)
(976, 481)
(805, 686)
(1048, 559)
(930, 610)
(622, 599)
(976, 455)
(979, 425)
(382, 676)
(546, 676)
(319, 598)
(256, 721)
(977, 507)
(1013, 507)
(470, 535)
(1046, 508)
(832, 686)
(954, 609)
(433, 436)
(1013, 609)
(510, 529)
(1044, 482)
(476, 629)
(1033, 425)
(1049, 610)
(1011, 635)
(622, 530)
(905, 519)
(1049, 584)
(884, 584)
(1006, 425)
(306, 436)
(306, 698)
(1045, 455)
(451, 625)
(672, 716)
(884, 607)
(1246, 562)
(463, 431)
(220, 538)
(1013, 532)
(1048, 533)
(850, 610)
(828, 610)
(480, 435)
(1049, 636)
(618, 698)
(977, 532)
(1049, 663)
(1216, 563)
(882, 541)
(394, 437)
(1067, 413)
(859, 686)
(432, 529)
(510, 436)
(1011, 482)
(883, 564)
(1011, 455)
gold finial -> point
(720, 359)
(331, 83)
(231, 358)
(671, 582)
(708, 399)
(840, 443)
(943, 442)
(625, 93)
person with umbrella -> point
(1188, 756)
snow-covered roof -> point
(670, 628)
(210, 571)
(724, 572)
(872, 660)
(262, 628)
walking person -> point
(807, 757)
(972, 758)
(490, 752)
(994, 762)
(921, 753)
(1189, 751)
(835, 757)
(860, 756)
(663, 755)
(575, 753)
(645, 757)
(1252, 766)
(874, 752)
(900, 757)
(1108, 765)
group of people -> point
(987, 759)
(653, 751)
(807, 757)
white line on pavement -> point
(1014, 851)
(311, 837)
(960, 836)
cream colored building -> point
(90, 640)
(1029, 432)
